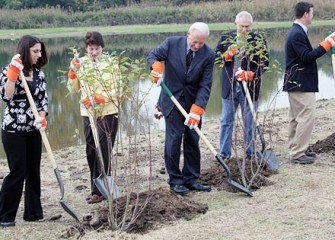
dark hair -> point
(301, 8)
(23, 48)
(94, 38)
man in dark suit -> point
(252, 53)
(301, 82)
(188, 74)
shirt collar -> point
(301, 25)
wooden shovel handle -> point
(36, 115)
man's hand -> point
(242, 75)
(329, 42)
(193, 118)
(15, 68)
(230, 53)
(157, 72)
(40, 123)
(97, 99)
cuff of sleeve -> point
(197, 110)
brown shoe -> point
(304, 159)
(95, 199)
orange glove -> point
(157, 72)
(97, 99)
(242, 75)
(193, 118)
(329, 42)
(40, 123)
(15, 68)
(230, 53)
(74, 66)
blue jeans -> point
(229, 107)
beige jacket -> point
(103, 77)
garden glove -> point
(193, 118)
(40, 123)
(157, 72)
(74, 67)
(242, 75)
(91, 101)
(329, 42)
(230, 53)
(15, 67)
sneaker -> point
(304, 159)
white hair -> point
(243, 14)
(200, 27)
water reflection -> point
(64, 115)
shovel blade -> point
(236, 185)
(68, 209)
(240, 187)
(269, 157)
(107, 186)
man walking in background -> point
(301, 82)
(188, 74)
(252, 53)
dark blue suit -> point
(188, 87)
(301, 72)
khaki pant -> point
(301, 120)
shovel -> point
(268, 155)
(65, 206)
(236, 185)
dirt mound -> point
(216, 176)
(325, 145)
(161, 207)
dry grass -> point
(299, 205)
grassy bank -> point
(137, 29)
(160, 13)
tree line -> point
(86, 5)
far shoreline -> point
(139, 29)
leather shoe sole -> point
(304, 159)
(7, 224)
(180, 189)
(198, 187)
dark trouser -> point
(23, 152)
(176, 132)
(107, 129)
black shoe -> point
(198, 187)
(7, 224)
(180, 189)
(304, 159)
(310, 153)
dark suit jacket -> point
(301, 72)
(257, 64)
(195, 84)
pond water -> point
(64, 115)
